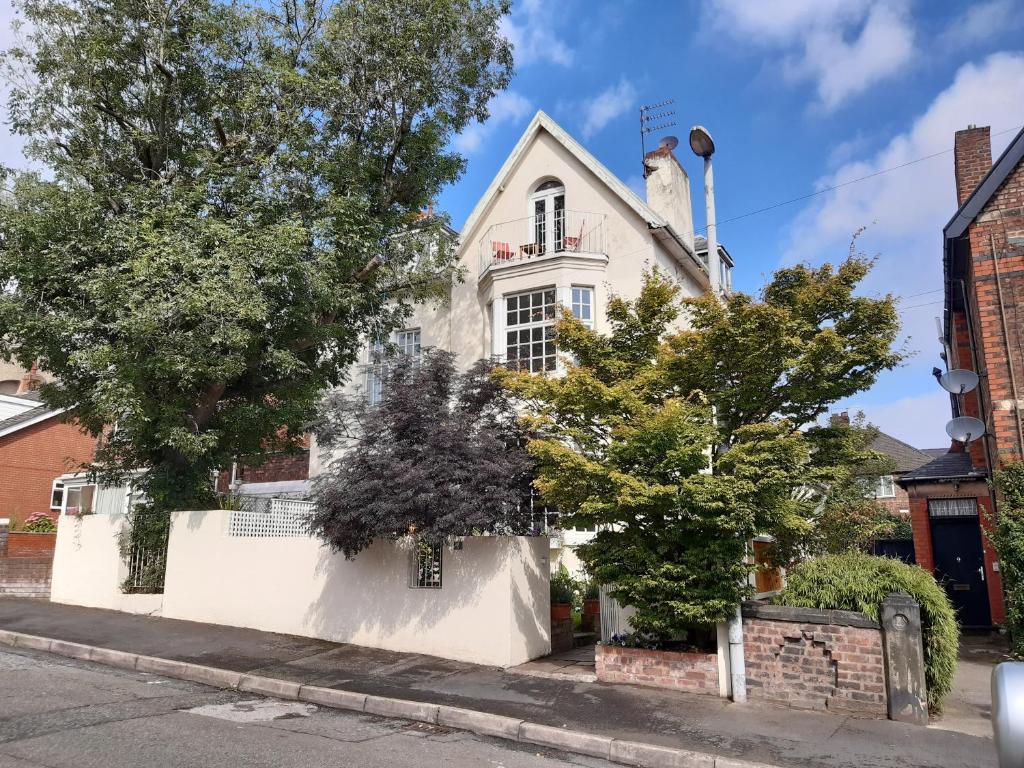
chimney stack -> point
(668, 192)
(972, 159)
(31, 381)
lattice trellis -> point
(283, 518)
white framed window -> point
(583, 305)
(408, 342)
(547, 217)
(886, 488)
(425, 572)
(79, 499)
(530, 330)
(57, 495)
(375, 370)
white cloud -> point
(507, 106)
(612, 102)
(907, 208)
(842, 46)
(530, 29)
(979, 22)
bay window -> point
(529, 330)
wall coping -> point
(753, 609)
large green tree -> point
(231, 202)
(680, 445)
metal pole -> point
(714, 269)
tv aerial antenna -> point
(654, 117)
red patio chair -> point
(573, 243)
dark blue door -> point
(960, 566)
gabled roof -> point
(27, 419)
(906, 456)
(541, 121)
(996, 175)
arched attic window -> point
(547, 216)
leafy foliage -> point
(232, 203)
(846, 516)
(1007, 536)
(854, 581)
(39, 522)
(682, 445)
(564, 588)
(441, 455)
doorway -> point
(959, 558)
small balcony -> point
(543, 235)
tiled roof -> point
(907, 457)
(949, 466)
(24, 417)
(935, 452)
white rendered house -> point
(554, 228)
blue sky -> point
(799, 95)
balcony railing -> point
(534, 237)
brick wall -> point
(693, 672)
(561, 635)
(20, 544)
(26, 576)
(30, 460)
(814, 659)
(276, 467)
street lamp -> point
(704, 146)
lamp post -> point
(704, 146)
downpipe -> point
(737, 666)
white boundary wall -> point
(493, 606)
(87, 566)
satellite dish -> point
(965, 429)
(669, 143)
(958, 381)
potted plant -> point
(563, 591)
(591, 607)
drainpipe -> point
(737, 666)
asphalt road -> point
(57, 712)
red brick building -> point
(983, 270)
(35, 448)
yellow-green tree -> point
(682, 445)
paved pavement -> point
(755, 732)
(59, 713)
(968, 709)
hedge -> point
(854, 581)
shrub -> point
(564, 587)
(1007, 536)
(853, 581)
(39, 522)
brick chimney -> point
(972, 159)
(840, 419)
(668, 192)
(31, 381)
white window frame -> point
(408, 342)
(529, 325)
(582, 298)
(58, 485)
(553, 239)
(883, 490)
(77, 491)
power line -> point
(834, 187)
(926, 304)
